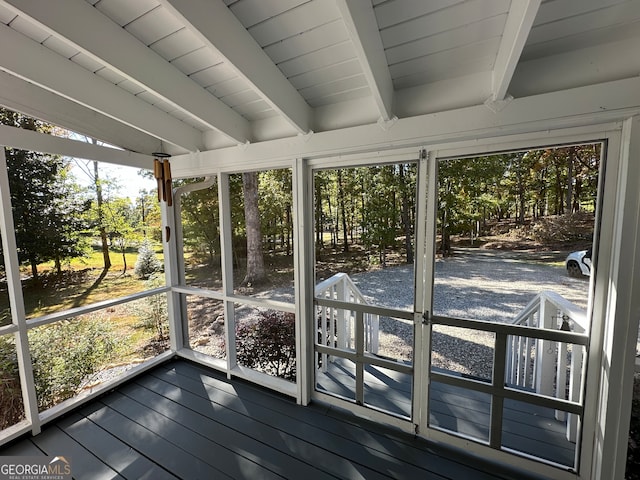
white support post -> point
(175, 311)
(14, 286)
(224, 205)
(374, 332)
(561, 378)
(426, 199)
(617, 279)
(575, 381)
(344, 337)
(306, 331)
(528, 345)
(545, 353)
(512, 361)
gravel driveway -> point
(487, 285)
(481, 284)
(492, 285)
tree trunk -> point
(124, 260)
(333, 239)
(445, 240)
(319, 219)
(559, 197)
(34, 268)
(103, 231)
(255, 262)
(521, 193)
(345, 247)
(289, 229)
(406, 220)
(569, 203)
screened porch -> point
(357, 220)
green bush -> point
(268, 344)
(64, 357)
(10, 392)
(152, 310)
(66, 354)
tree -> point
(148, 210)
(120, 225)
(275, 203)
(47, 206)
(201, 222)
(407, 185)
(256, 273)
(379, 216)
(70, 222)
(147, 262)
(92, 171)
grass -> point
(83, 282)
(95, 261)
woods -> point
(370, 211)
(360, 210)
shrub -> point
(65, 355)
(10, 392)
(268, 344)
(152, 311)
(147, 262)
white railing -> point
(541, 365)
(336, 326)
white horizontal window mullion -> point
(94, 307)
(365, 308)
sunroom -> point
(328, 174)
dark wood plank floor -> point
(182, 420)
(526, 428)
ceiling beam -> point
(31, 61)
(591, 105)
(361, 23)
(91, 32)
(220, 30)
(41, 142)
(29, 99)
(520, 19)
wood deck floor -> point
(526, 428)
(182, 420)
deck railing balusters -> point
(544, 362)
(342, 333)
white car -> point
(579, 263)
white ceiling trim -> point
(520, 19)
(220, 30)
(612, 101)
(41, 142)
(37, 64)
(106, 42)
(29, 99)
(361, 23)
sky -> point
(127, 178)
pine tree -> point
(147, 262)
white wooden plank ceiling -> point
(188, 75)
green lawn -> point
(83, 282)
